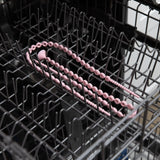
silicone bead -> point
(33, 47)
(75, 76)
(100, 92)
(105, 103)
(92, 69)
(57, 81)
(48, 59)
(94, 89)
(80, 79)
(65, 77)
(123, 103)
(50, 44)
(130, 106)
(87, 66)
(117, 101)
(66, 70)
(55, 45)
(61, 67)
(57, 65)
(79, 86)
(111, 98)
(120, 114)
(85, 82)
(42, 55)
(71, 73)
(107, 78)
(38, 45)
(105, 95)
(114, 110)
(82, 62)
(85, 89)
(74, 56)
(90, 85)
(69, 52)
(97, 72)
(52, 62)
(44, 43)
(102, 75)
(65, 49)
(78, 59)
(99, 99)
(75, 83)
(90, 92)
(60, 47)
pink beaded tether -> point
(88, 87)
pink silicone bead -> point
(117, 101)
(74, 56)
(111, 98)
(71, 73)
(120, 114)
(82, 62)
(102, 75)
(52, 62)
(65, 77)
(33, 47)
(79, 86)
(61, 67)
(75, 83)
(90, 92)
(105, 103)
(38, 45)
(89, 85)
(114, 109)
(100, 92)
(55, 45)
(80, 79)
(67, 87)
(85, 89)
(48, 59)
(99, 99)
(66, 70)
(42, 55)
(65, 49)
(75, 76)
(123, 103)
(57, 65)
(78, 59)
(92, 69)
(130, 106)
(44, 43)
(85, 82)
(57, 81)
(105, 95)
(97, 72)
(69, 52)
(60, 47)
(94, 89)
(107, 78)
(50, 44)
(87, 65)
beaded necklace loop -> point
(77, 81)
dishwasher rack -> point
(41, 120)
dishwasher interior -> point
(41, 119)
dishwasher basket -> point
(42, 120)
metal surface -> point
(48, 122)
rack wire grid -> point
(41, 120)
